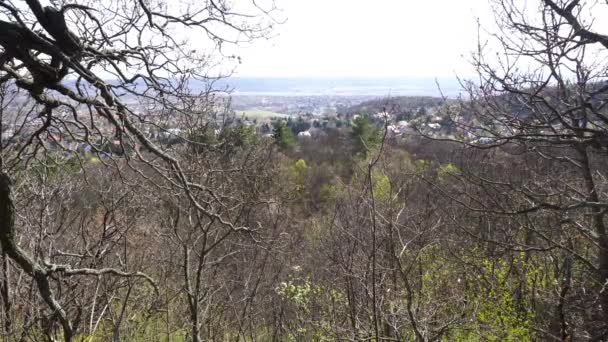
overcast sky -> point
(364, 38)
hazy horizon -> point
(341, 86)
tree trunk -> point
(22, 259)
(5, 292)
(599, 227)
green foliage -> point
(240, 136)
(204, 135)
(365, 135)
(56, 165)
(381, 185)
(148, 329)
(283, 136)
(331, 191)
(308, 298)
(446, 170)
(297, 174)
(499, 314)
(231, 138)
(421, 165)
(298, 125)
(298, 292)
(436, 287)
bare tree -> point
(538, 126)
(110, 73)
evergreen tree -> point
(283, 135)
(365, 135)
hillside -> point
(395, 105)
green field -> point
(261, 114)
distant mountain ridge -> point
(320, 86)
(340, 86)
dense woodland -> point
(493, 231)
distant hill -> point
(405, 105)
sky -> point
(376, 38)
(365, 38)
